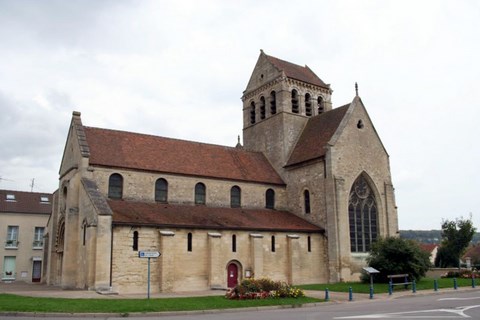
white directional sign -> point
(148, 254)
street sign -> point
(148, 254)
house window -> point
(362, 214)
(44, 199)
(10, 197)
(306, 201)
(38, 237)
(308, 105)
(295, 101)
(270, 199)
(12, 237)
(135, 241)
(273, 243)
(320, 105)
(234, 243)
(235, 197)
(115, 186)
(189, 242)
(262, 108)
(161, 190)
(273, 102)
(252, 113)
(309, 244)
(200, 192)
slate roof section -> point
(97, 198)
(297, 72)
(204, 217)
(25, 202)
(316, 135)
(129, 150)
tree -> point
(456, 236)
(394, 255)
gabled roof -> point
(296, 71)
(128, 150)
(25, 202)
(316, 135)
(203, 217)
(428, 247)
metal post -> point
(473, 280)
(390, 287)
(455, 286)
(148, 280)
(327, 297)
(350, 294)
(414, 286)
(371, 292)
(435, 285)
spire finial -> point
(239, 145)
(356, 89)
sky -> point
(178, 69)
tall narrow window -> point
(273, 102)
(308, 105)
(84, 239)
(38, 237)
(161, 190)
(115, 186)
(200, 193)
(234, 243)
(273, 243)
(189, 242)
(235, 197)
(135, 241)
(252, 113)
(309, 244)
(362, 214)
(320, 104)
(12, 237)
(262, 108)
(270, 199)
(306, 200)
(295, 101)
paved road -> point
(447, 304)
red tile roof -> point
(152, 153)
(203, 217)
(25, 202)
(428, 247)
(316, 134)
(297, 72)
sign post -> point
(148, 254)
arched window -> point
(308, 105)
(234, 243)
(161, 190)
(200, 193)
(252, 113)
(262, 108)
(115, 186)
(320, 105)
(295, 101)
(135, 241)
(362, 214)
(235, 197)
(270, 199)
(306, 201)
(273, 243)
(189, 242)
(273, 102)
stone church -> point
(301, 201)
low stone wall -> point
(439, 272)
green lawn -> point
(424, 284)
(9, 302)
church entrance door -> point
(232, 271)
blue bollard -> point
(350, 294)
(327, 296)
(414, 286)
(435, 285)
(455, 286)
(390, 288)
(371, 292)
(473, 280)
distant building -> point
(432, 249)
(300, 202)
(23, 218)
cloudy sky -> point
(178, 69)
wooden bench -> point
(405, 282)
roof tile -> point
(25, 202)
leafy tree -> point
(456, 236)
(394, 255)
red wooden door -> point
(232, 271)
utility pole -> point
(32, 184)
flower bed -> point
(262, 289)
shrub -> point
(262, 289)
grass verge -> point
(12, 303)
(358, 287)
